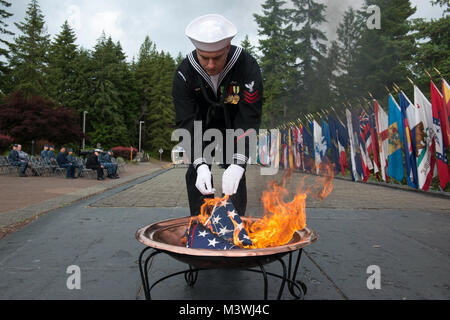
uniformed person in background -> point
(77, 164)
(111, 168)
(44, 152)
(15, 160)
(94, 164)
(220, 85)
(51, 156)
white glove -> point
(203, 182)
(231, 178)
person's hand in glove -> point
(203, 182)
(231, 178)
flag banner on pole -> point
(437, 103)
(353, 144)
(334, 144)
(382, 123)
(326, 138)
(318, 146)
(361, 166)
(275, 149)
(262, 150)
(284, 149)
(424, 140)
(291, 149)
(409, 139)
(365, 141)
(343, 141)
(297, 148)
(308, 148)
(395, 168)
(374, 146)
(446, 113)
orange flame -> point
(281, 219)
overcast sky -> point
(164, 20)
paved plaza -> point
(404, 233)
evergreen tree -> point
(3, 50)
(28, 57)
(349, 35)
(309, 49)
(386, 54)
(179, 59)
(106, 119)
(62, 72)
(433, 38)
(154, 75)
(276, 60)
(247, 46)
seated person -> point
(66, 164)
(93, 163)
(105, 161)
(77, 164)
(15, 160)
(44, 152)
(51, 157)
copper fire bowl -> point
(166, 236)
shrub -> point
(124, 152)
(5, 142)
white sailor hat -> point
(211, 32)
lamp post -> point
(84, 129)
(140, 134)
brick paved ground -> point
(17, 193)
(169, 190)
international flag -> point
(437, 102)
(374, 145)
(364, 144)
(297, 148)
(326, 137)
(308, 148)
(382, 122)
(319, 146)
(409, 139)
(425, 144)
(218, 231)
(275, 148)
(284, 149)
(355, 153)
(291, 148)
(334, 143)
(446, 112)
(343, 141)
(395, 168)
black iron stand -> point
(296, 288)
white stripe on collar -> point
(224, 72)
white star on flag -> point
(212, 243)
(203, 234)
(216, 219)
(232, 214)
(240, 226)
(224, 231)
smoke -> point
(334, 14)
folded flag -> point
(223, 230)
